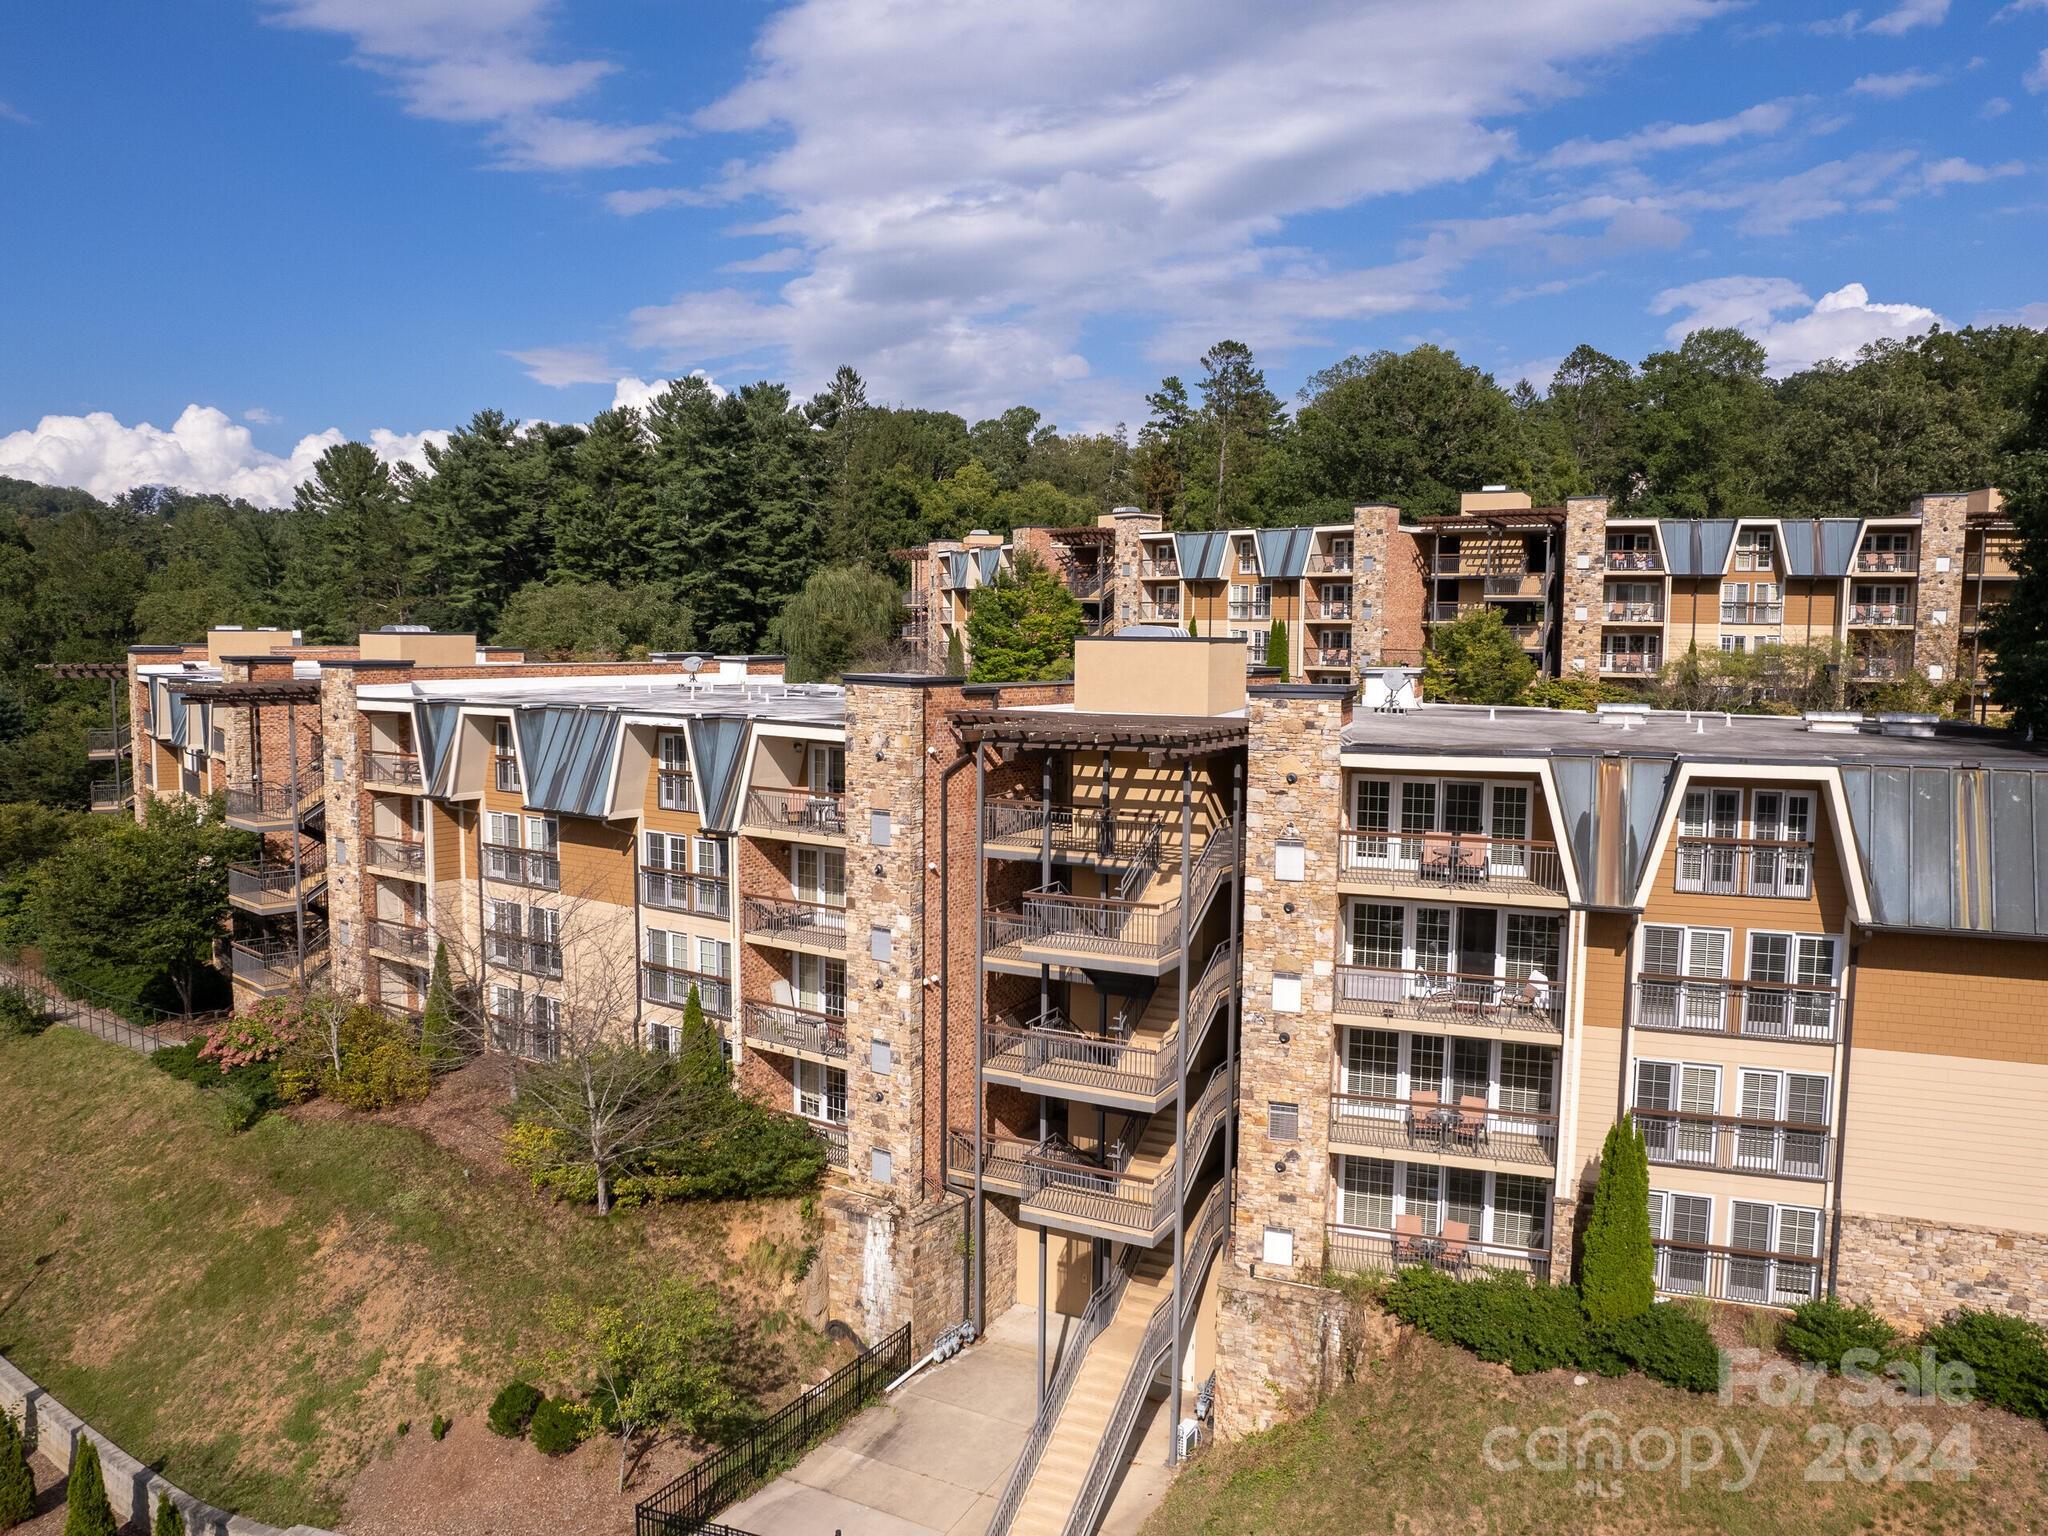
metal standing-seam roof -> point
(566, 755)
(433, 728)
(1283, 552)
(1818, 546)
(1611, 809)
(716, 743)
(1201, 555)
(990, 561)
(1953, 849)
(1697, 546)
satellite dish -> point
(693, 665)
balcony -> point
(1445, 1132)
(534, 867)
(272, 888)
(1728, 866)
(1992, 564)
(800, 812)
(1752, 613)
(1435, 861)
(1332, 610)
(675, 790)
(505, 773)
(1337, 564)
(1975, 617)
(705, 895)
(1734, 1144)
(1878, 668)
(1495, 1006)
(1512, 584)
(1635, 613)
(1075, 834)
(1159, 570)
(512, 950)
(391, 770)
(1450, 613)
(1691, 1005)
(793, 1031)
(1881, 615)
(834, 1138)
(274, 807)
(1160, 613)
(1634, 560)
(1244, 612)
(671, 985)
(1327, 656)
(792, 924)
(107, 743)
(1889, 561)
(399, 940)
(1088, 586)
(112, 794)
(1747, 1275)
(1630, 663)
(269, 964)
(515, 1036)
(404, 857)
(1374, 1250)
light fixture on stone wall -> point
(879, 872)
(1285, 1038)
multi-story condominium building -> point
(1147, 1000)
(1584, 593)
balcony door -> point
(1664, 1091)
(1778, 817)
(818, 875)
(1709, 814)
(1688, 1220)
(819, 984)
(1763, 1232)
(1478, 941)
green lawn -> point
(259, 1311)
(1403, 1449)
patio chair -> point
(1454, 1250)
(1471, 1126)
(1468, 863)
(1438, 850)
(1422, 1108)
(1408, 1239)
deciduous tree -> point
(1023, 625)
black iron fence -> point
(685, 1506)
(139, 1026)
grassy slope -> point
(260, 1310)
(1400, 1451)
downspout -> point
(1180, 1116)
(1842, 1120)
(945, 963)
(980, 1236)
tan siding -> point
(1823, 910)
(597, 861)
(1606, 968)
(446, 831)
(1982, 999)
(1947, 1139)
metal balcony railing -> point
(111, 794)
(1330, 609)
(1141, 1205)
(1359, 1121)
(675, 790)
(784, 1027)
(517, 1036)
(1728, 866)
(401, 854)
(1244, 612)
(1752, 1276)
(1074, 831)
(1375, 1250)
(1330, 564)
(1634, 560)
(1497, 1002)
(670, 985)
(1880, 669)
(835, 1139)
(1453, 859)
(1755, 1010)
(1735, 1144)
(505, 773)
(707, 895)
(271, 807)
(1752, 613)
(1904, 560)
(523, 866)
(1160, 613)
(397, 768)
(106, 743)
(1450, 613)
(1631, 663)
(515, 952)
(1881, 615)
(1327, 656)
(274, 883)
(1634, 613)
(1088, 585)
(406, 939)
(797, 810)
(1047, 1052)
(801, 922)
(1159, 570)
(1992, 564)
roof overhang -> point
(1167, 736)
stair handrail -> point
(1204, 1238)
(1218, 853)
(1144, 863)
(1095, 1317)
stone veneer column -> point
(938, 602)
(347, 940)
(1372, 555)
(1585, 585)
(1128, 554)
(1938, 614)
(1293, 793)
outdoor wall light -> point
(1290, 778)
(879, 872)
(1287, 907)
(1285, 1038)
(1281, 1166)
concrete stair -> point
(1071, 1448)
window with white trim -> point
(820, 1092)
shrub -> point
(379, 1076)
(86, 1511)
(240, 1096)
(558, 1426)
(1617, 1270)
(168, 1521)
(24, 1012)
(1823, 1331)
(262, 1034)
(1580, 693)
(439, 1428)
(1501, 1318)
(2009, 1355)
(1671, 1345)
(17, 1483)
(512, 1409)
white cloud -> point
(1891, 87)
(2034, 316)
(641, 393)
(558, 367)
(480, 62)
(2036, 79)
(1765, 118)
(783, 260)
(1912, 13)
(12, 114)
(256, 415)
(203, 450)
(1796, 331)
(1958, 172)
(2019, 7)
(1021, 169)
(1997, 106)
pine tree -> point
(1617, 1270)
(437, 1022)
(168, 1521)
(1192, 630)
(1276, 648)
(86, 1511)
(700, 1058)
(17, 1483)
(956, 655)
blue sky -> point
(242, 229)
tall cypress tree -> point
(17, 1483)
(1617, 1270)
(1276, 647)
(86, 1511)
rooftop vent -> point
(977, 533)
(1630, 712)
(1493, 487)
(406, 629)
(1839, 722)
(1906, 725)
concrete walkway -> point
(932, 1459)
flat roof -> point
(1478, 730)
(660, 693)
